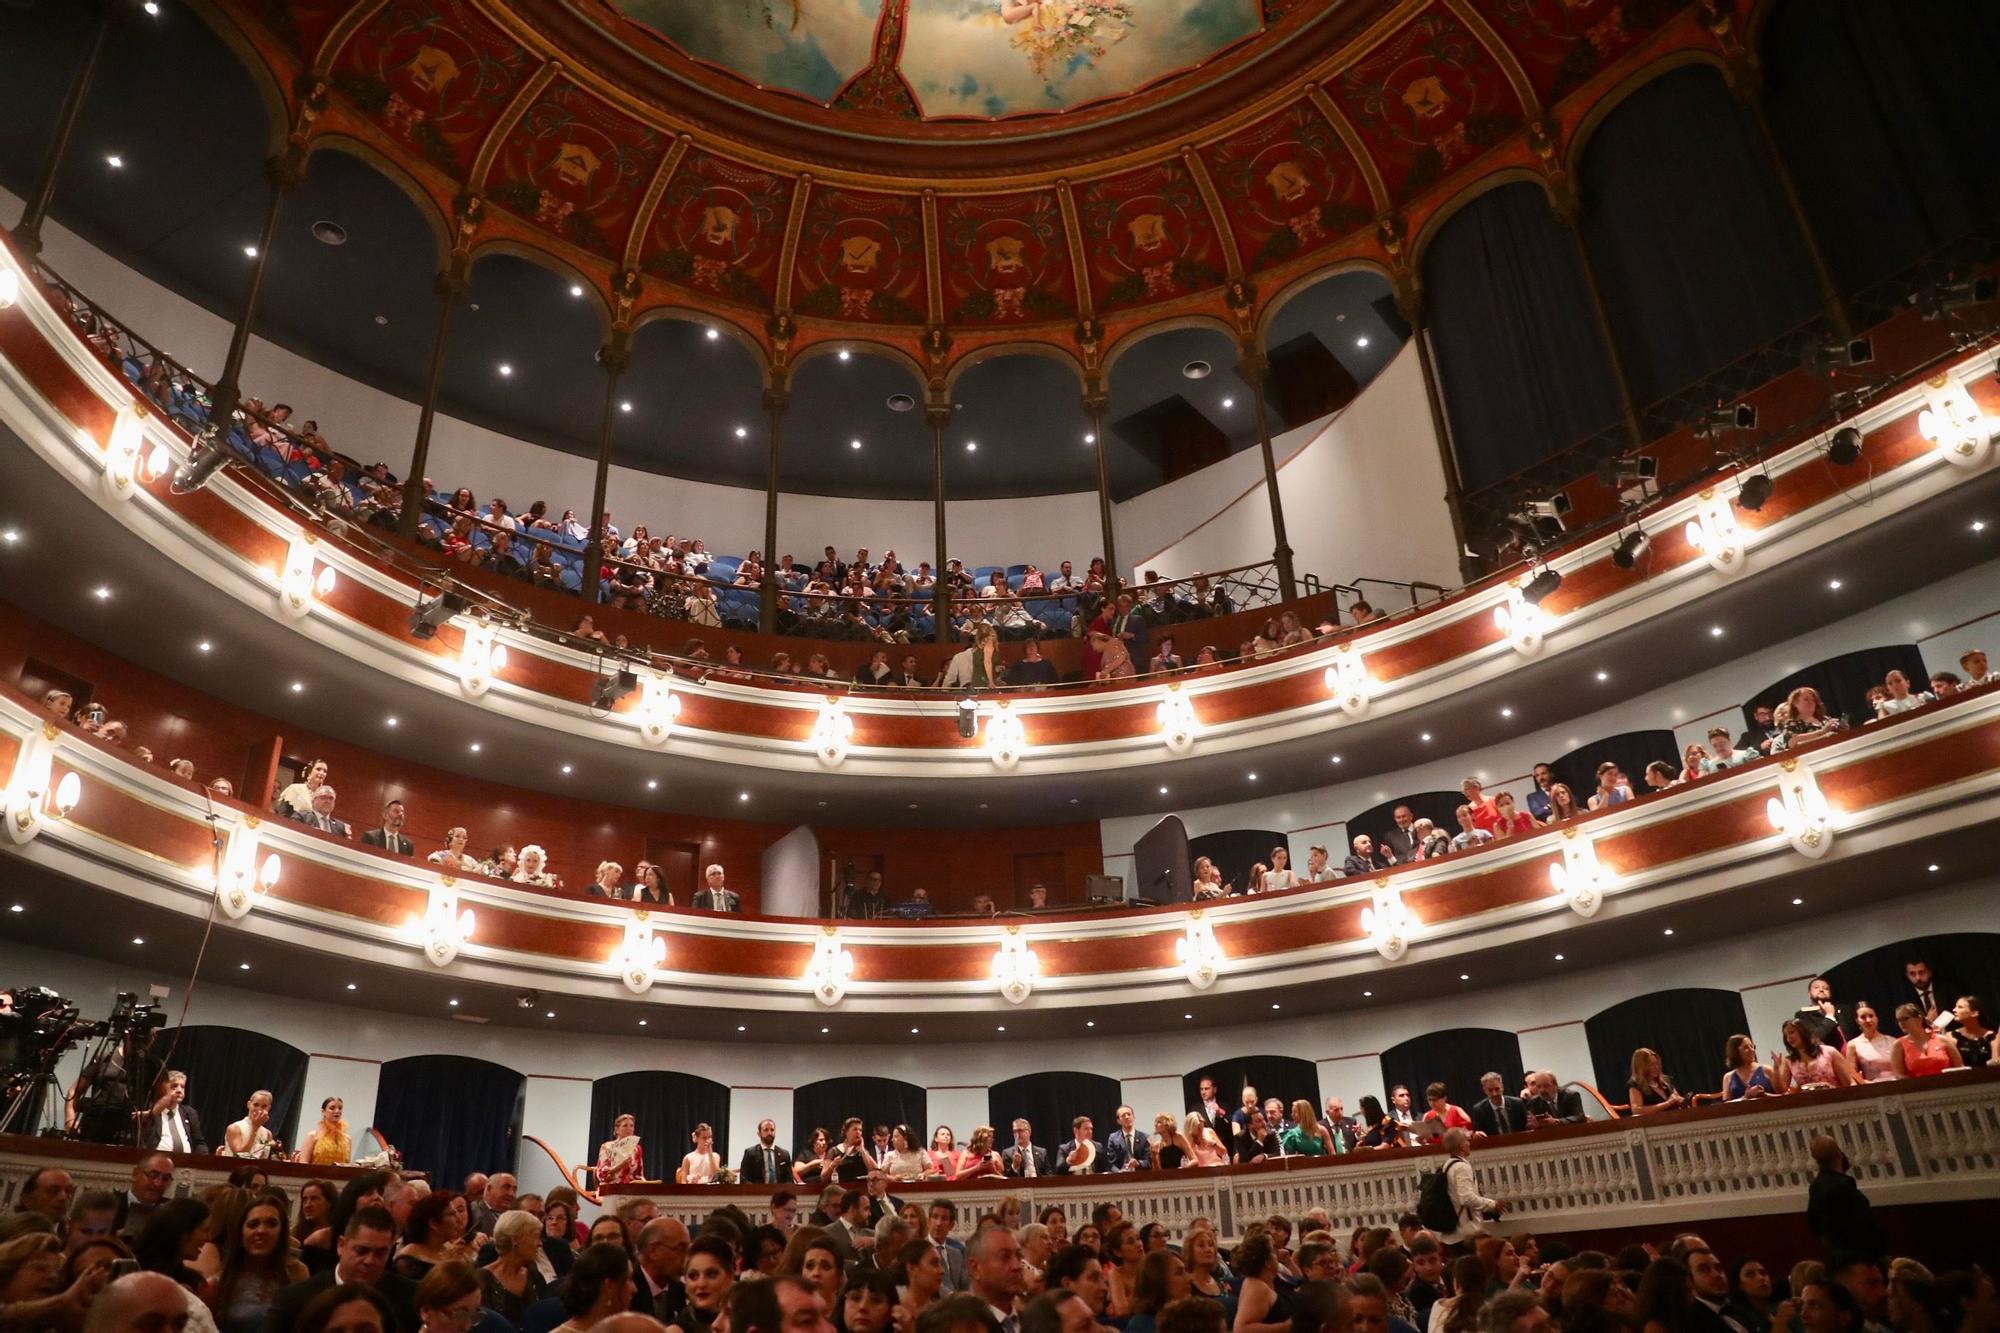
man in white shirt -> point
(1977, 672)
(1469, 832)
(1722, 752)
(172, 1125)
(1472, 1207)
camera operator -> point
(103, 1105)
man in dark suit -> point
(1402, 840)
(1548, 1104)
(136, 1206)
(390, 836)
(320, 816)
(172, 1125)
(1832, 1023)
(1023, 1158)
(939, 1219)
(1128, 1148)
(363, 1257)
(1211, 1110)
(766, 1163)
(1709, 1312)
(1836, 1209)
(1496, 1112)
(1366, 858)
(850, 1232)
(1082, 1155)
(662, 1253)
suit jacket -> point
(1010, 1157)
(1839, 1214)
(1354, 865)
(149, 1129)
(751, 1172)
(954, 1267)
(1568, 1107)
(1705, 1318)
(324, 823)
(717, 900)
(393, 843)
(1510, 1117)
(1404, 845)
(399, 1292)
(1097, 1160)
(1133, 1154)
(666, 1307)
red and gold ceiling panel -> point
(576, 167)
(1562, 44)
(1003, 259)
(719, 230)
(861, 257)
(1148, 237)
(435, 74)
(1427, 101)
(303, 25)
(1288, 186)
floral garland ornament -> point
(1579, 877)
(1015, 967)
(1178, 723)
(29, 790)
(299, 583)
(640, 955)
(243, 879)
(1200, 953)
(830, 968)
(1800, 812)
(444, 929)
(659, 707)
(1388, 923)
(1063, 34)
(1954, 425)
(832, 732)
(1006, 736)
(1347, 680)
(480, 657)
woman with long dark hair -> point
(171, 1239)
(434, 1234)
(256, 1263)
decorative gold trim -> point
(50, 731)
(1073, 232)
(345, 27)
(642, 221)
(1789, 765)
(538, 82)
(251, 822)
(933, 263)
(1503, 54)
(1371, 171)
(788, 253)
(1198, 169)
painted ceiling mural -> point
(808, 47)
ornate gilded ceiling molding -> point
(475, 181)
(933, 268)
(337, 36)
(1370, 171)
(788, 254)
(642, 221)
(1198, 169)
(1073, 233)
(1503, 55)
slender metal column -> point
(449, 286)
(1251, 359)
(1093, 403)
(614, 356)
(776, 399)
(938, 413)
(28, 231)
(284, 174)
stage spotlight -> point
(203, 461)
(1755, 490)
(1627, 470)
(1727, 417)
(1949, 297)
(424, 621)
(1835, 355)
(1630, 548)
(1845, 448)
(1538, 521)
(1540, 586)
(968, 718)
(610, 689)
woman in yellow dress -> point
(327, 1143)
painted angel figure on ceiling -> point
(1053, 33)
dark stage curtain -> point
(1285, 1077)
(1455, 1057)
(451, 1115)
(878, 1101)
(1696, 252)
(1631, 751)
(1049, 1101)
(1521, 360)
(1688, 1027)
(1440, 807)
(1234, 851)
(667, 1105)
(1884, 116)
(225, 1065)
(1843, 682)
(1965, 963)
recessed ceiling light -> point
(505, 369)
(1274, 1006)
(1559, 958)
(1253, 777)
(1336, 759)
(138, 939)
(1001, 1028)
(250, 252)
(1196, 370)
(1931, 867)
(1798, 902)
(972, 446)
(332, 233)
(474, 747)
(1604, 675)
(1506, 712)
(913, 1032)
(152, 8)
(389, 721)
(352, 986)
(714, 333)
(742, 432)
(854, 444)
(1362, 341)
(824, 1031)
(1833, 584)
(642, 1022)
(452, 1003)
(1090, 437)
(101, 592)
(382, 319)
(10, 536)
(1465, 976)
(113, 161)
(1979, 525)
(298, 687)
(845, 354)
(624, 407)
(550, 1014)
(576, 289)
(204, 646)
(17, 908)
(1228, 402)
(742, 795)
(1368, 995)
(1425, 737)
(652, 784)
(1187, 1016)
(243, 967)
(1163, 791)
(1090, 1022)
(1668, 931)
(900, 402)
(1715, 631)
(566, 768)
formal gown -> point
(333, 1147)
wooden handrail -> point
(583, 1191)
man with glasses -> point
(150, 1179)
(662, 1253)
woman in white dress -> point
(903, 1161)
(251, 1136)
(298, 798)
(452, 855)
(703, 1166)
(1280, 875)
(1873, 1051)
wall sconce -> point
(659, 707)
(1522, 622)
(243, 878)
(299, 585)
(833, 732)
(1015, 967)
(1200, 953)
(640, 955)
(1715, 533)
(830, 968)
(1800, 812)
(1388, 922)
(1579, 877)
(1178, 724)
(481, 657)
(1348, 682)
(122, 451)
(1006, 736)
(444, 929)
(1953, 423)
(28, 794)
(10, 286)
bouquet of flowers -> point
(1062, 30)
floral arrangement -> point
(1061, 30)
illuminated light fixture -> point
(10, 286)
(1800, 812)
(481, 657)
(968, 718)
(576, 289)
(245, 875)
(1522, 621)
(1388, 923)
(1723, 418)
(1015, 967)
(1715, 533)
(1954, 425)
(114, 161)
(713, 333)
(1630, 547)
(1579, 877)
(742, 432)
(659, 708)
(1755, 490)
(122, 450)
(427, 616)
(1178, 723)
(846, 355)
(608, 690)
(299, 582)
(1006, 736)
(34, 793)
(833, 732)
(1200, 953)
(506, 370)
(249, 252)
(640, 955)
(830, 968)
(1361, 341)
(1347, 680)
(1844, 449)
(444, 929)
(854, 444)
